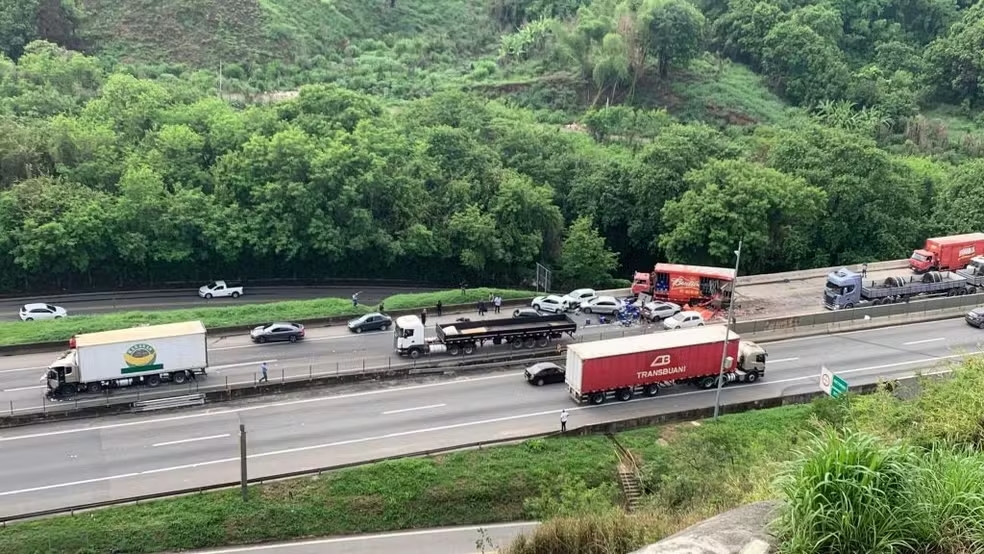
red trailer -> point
(685, 284)
(644, 363)
(947, 253)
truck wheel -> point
(624, 395)
(414, 354)
(542, 341)
(651, 390)
(598, 398)
(94, 387)
(517, 343)
(530, 342)
(235, 295)
(707, 383)
(848, 306)
(179, 377)
(469, 348)
(751, 377)
(153, 381)
(454, 350)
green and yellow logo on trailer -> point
(139, 358)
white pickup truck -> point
(218, 289)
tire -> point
(94, 387)
(358, 329)
(515, 313)
(29, 319)
(539, 382)
(454, 350)
(597, 398)
(469, 348)
(517, 343)
(651, 390)
(624, 395)
(700, 324)
(208, 296)
(542, 341)
(261, 339)
(586, 310)
(293, 338)
(529, 343)
(848, 306)
(59, 316)
(386, 327)
(535, 307)
(752, 377)
(153, 381)
(414, 354)
(235, 295)
(179, 377)
(707, 383)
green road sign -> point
(832, 384)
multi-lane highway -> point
(72, 463)
(105, 302)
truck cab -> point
(62, 372)
(641, 283)
(843, 289)
(922, 260)
(408, 334)
(975, 266)
(751, 358)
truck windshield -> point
(919, 257)
(834, 288)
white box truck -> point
(138, 355)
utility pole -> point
(242, 461)
(727, 334)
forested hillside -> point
(453, 139)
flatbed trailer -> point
(463, 337)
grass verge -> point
(21, 332)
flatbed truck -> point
(463, 337)
(846, 289)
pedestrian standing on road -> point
(423, 316)
(498, 303)
(263, 370)
(864, 271)
(563, 421)
(381, 308)
(439, 307)
(355, 298)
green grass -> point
(21, 332)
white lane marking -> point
(389, 436)
(432, 406)
(32, 387)
(38, 368)
(924, 341)
(302, 341)
(781, 360)
(183, 441)
(361, 538)
(261, 407)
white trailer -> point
(138, 355)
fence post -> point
(11, 407)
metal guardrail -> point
(72, 510)
(815, 273)
(169, 402)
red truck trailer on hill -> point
(947, 253)
(644, 363)
(685, 284)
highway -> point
(70, 463)
(444, 540)
(128, 301)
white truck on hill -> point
(145, 355)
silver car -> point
(658, 310)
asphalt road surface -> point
(106, 302)
(444, 540)
(61, 464)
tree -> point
(954, 65)
(771, 212)
(959, 206)
(584, 257)
(17, 25)
(673, 31)
(804, 66)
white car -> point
(578, 297)
(659, 310)
(30, 312)
(218, 289)
(552, 303)
(602, 305)
(684, 320)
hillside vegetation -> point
(452, 140)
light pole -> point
(727, 334)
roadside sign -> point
(832, 384)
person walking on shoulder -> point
(263, 370)
(439, 307)
(563, 421)
(423, 316)
(497, 301)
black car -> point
(526, 312)
(544, 372)
(279, 331)
(975, 317)
(370, 322)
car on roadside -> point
(40, 311)
(684, 320)
(975, 318)
(551, 303)
(602, 305)
(277, 332)
(374, 321)
(658, 310)
(578, 297)
(542, 373)
(219, 289)
(526, 312)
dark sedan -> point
(526, 312)
(370, 322)
(543, 373)
(975, 317)
(275, 332)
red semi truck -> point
(947, 253)
(642, 364)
